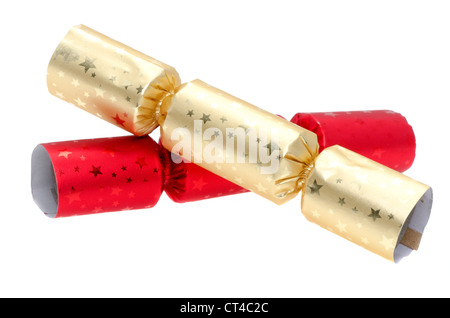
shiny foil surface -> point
(210, 117)
(98, 175)
(110, 80)
(362, 200)
(93, 176)
(381, 135)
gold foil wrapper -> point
(217, 124)
(367, 203)
(110, 80)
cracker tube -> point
(96, 175)
(381, 135)
(92, 176)
(110, 80)
(363, 201)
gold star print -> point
(205, 118)
(223, 119)
(190, 113)
(80, 103)
(87, 64)
(375, 214)
(315, 187)
(67, 54)
(139, 89)
(64, 154)
(99, 92)
(75, 82)
(341, 201)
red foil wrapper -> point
(98, 175)
(186, 181)
(115, 174)
(381, 135)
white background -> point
(285, 57)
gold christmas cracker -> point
(110, 80)
(366, 202)
(369, 204)
(198, 104)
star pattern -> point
(64, 154)
(116, 191)
(342, 227)
(205, 118)
(315, 188)
(387, 243)
(109, 187)
(358, 202)
(375, 214)
(198, 184)
(119, 121)
(74, 196)
(378, 152)
(140, 161)
(95, 171)
(87, 64)
(80, 103)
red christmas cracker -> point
(97, 175)
(116, 174)
(381, 135)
